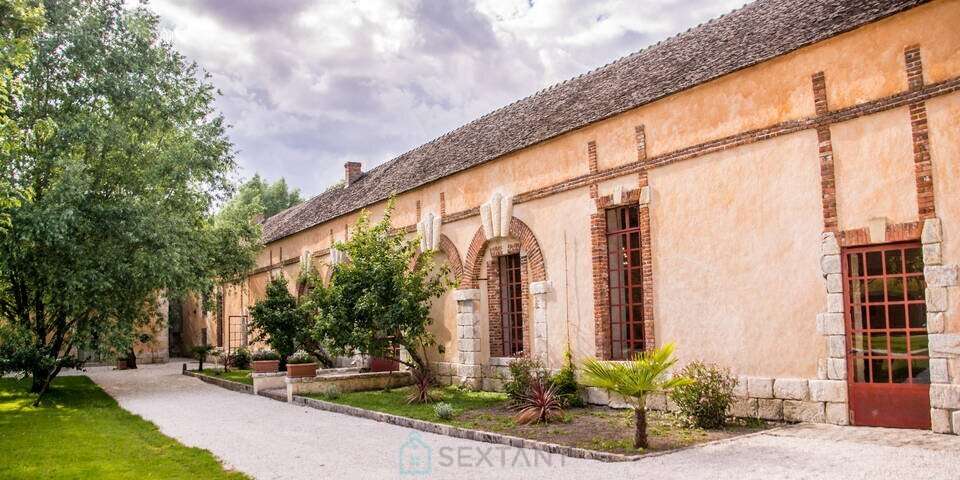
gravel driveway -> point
(273, 440)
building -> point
(776, 191)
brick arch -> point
(529, 247)
(449, 249)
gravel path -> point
(273, 440)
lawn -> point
(240, 376)
(595, 428)
(80, 432)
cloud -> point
(309, 85)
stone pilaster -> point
(944, 346)
(831, 385)
(468, 334)
(539, 292)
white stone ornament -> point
(429, 231)
(496, 215)
(617, 195)
(337, 257)
(306, 261)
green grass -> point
(395, 402)
(80, 432)
(240, 376)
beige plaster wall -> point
(736, 257)
(873, 161)
(943, 116)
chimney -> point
(352, 172)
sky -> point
(310, 84)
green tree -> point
(20, 22)
(377, 301)
(279, 321)
(113, 204)
(257, 196)
(634, 380)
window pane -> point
(856, 289)
(895, 289)
(878, 344)
(921, 370)
(635, 258)
(855, 264)
(875, 290)
(898, 343)
(874, 263)
(613, 222)
(919, 345)
(636, 295)
(897, 315)
(914, 260)
(860, 372)
(900, 371)
(877, 317)
(859, 343)
(918, 315)
(915, 287)
(634, 217)
(894, 261)
(881, 371)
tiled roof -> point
(750, 35)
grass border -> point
(220, 382)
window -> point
(511, 304)
(625, 273)
(887, 314)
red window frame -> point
(511, 304)
(625, 281)
(886, 314)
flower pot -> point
(302, 370)
(266, 366)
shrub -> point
(523, 372)
(300, 357)
(201, 352)
(704, 401)
(565, 383)
(265, 355)
(443, 410)
(330, 392)
(422, 381)
(540, 404)
(240, 358)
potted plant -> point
(266, 361)
(301, 364)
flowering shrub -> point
(703, 402)
(265, 355)
(300, 357)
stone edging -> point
(228, 384)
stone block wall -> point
(944, 346)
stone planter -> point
(266, 366)
(301, 370)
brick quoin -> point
(828, 181)
(923, 166)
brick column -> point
(468, 334)
(538, 292)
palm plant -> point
(634, 380)
(540, 403)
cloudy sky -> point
(309, 85)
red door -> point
(888, 363)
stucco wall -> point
(736, 257)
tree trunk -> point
(640, 436)
(38, 380)
(131, 359)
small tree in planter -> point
(201, 352)
(280, 322)
(301, 364)
(266, 361)
(634, 380)
(380, 299)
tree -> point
(114, 199)
(634, 380)
(257, 196)
(380, 299)
(20, 22)
(284, 325)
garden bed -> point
(590, 428)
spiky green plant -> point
(634, 380)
